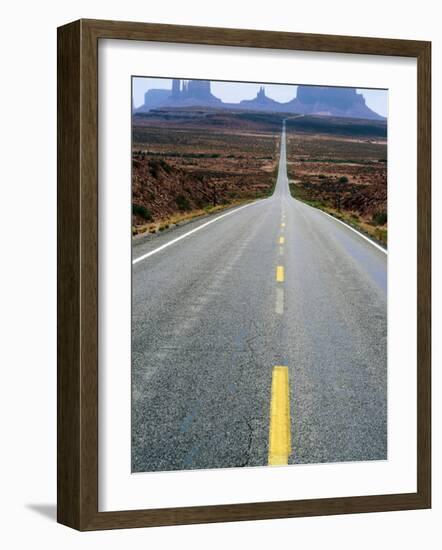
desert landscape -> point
(341, 167)
(193, 162)
(259, 324)
(189, 162)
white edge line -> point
(379, 247)
(348, 227)
(173, 241)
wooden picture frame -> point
(78, 274)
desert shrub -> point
(321, 177)
(166, 167)
(154, 169)
(182, 202)
(381, 235)
(380, 218)
(200, 203)
(142, 211)
(343, 179)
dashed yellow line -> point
(283, 224)
(279, 433)
(281, 240)
(279, 274)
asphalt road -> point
(211, 320)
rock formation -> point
(192, 93)
(152, 99)
(332, 101)
(261, 102)
(310, 100)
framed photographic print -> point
(243, 275)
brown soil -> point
(176, 170)
(192, 161)
(341, 173)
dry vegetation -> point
(344, 175)
(191, 162)
(182, 172)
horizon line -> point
(359, 91)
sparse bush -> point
(381, 235)
(343, 179)
(142, 211)
(154, 169)
(380, 218)
(200, 203)
(182, 202)
(321, 177)
(166, 167)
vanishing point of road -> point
(259, 336)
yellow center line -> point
(283, 224)
(281, 240)
(279, 274)
(279, 433)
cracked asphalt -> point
(208, 327)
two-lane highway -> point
(259, 336)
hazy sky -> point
(233, 92)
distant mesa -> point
(309, 100)
(322, 100)
(152, 99)
(185, 93)
(261, 102)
